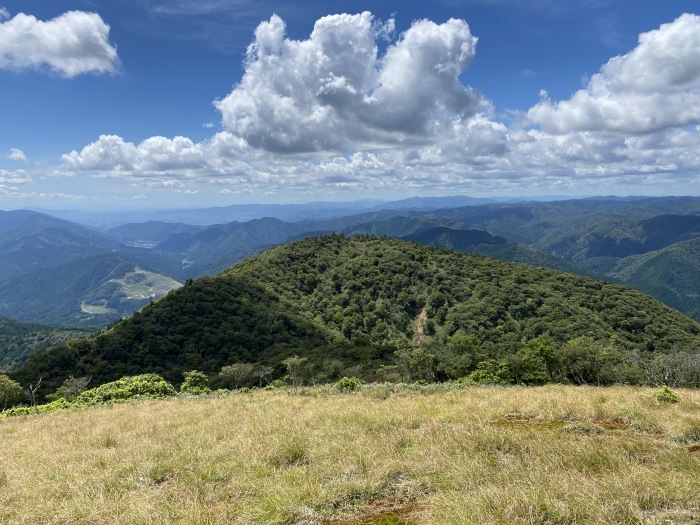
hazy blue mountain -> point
(30, 220)
(151, 232)
(23, 251)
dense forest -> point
(385, 309)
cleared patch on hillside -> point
(140, 284)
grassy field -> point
(549, 455)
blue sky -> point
(196, 103)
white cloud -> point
(4, 13)
(333, 91)
(14, 177)
(71, 44)
(359, 122)
(17, 154)
(654, 87)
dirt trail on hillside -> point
(421, 323)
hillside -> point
(671, 274)
(18, 340)
(485, 243)
(89, 293)
(350, 303)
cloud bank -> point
(72, 44)
(331, 113)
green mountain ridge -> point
(18, 340)
(348, 304)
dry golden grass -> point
(549, 455)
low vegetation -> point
(381, 455)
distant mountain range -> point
(60, 272)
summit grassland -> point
(384, 455)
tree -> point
(236, 373)
(10, 392)
(415, 363)
(76, 385)
(294, 365)
(263, 372)
(589, 361)
(460, 356)
(31, 393)
(195, 382)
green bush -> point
(10, 392)
(348, 384)
(195, 382)
(59, 404)
(145, 386)
(666, 395)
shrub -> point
(666, 395)
(10, 392)
(348, 384)
(195, 383)
(145, 386)
(59, 404)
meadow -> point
(384, 456)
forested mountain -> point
(86, 293)
(357, 303)
(485, 243)
(671, 274)
(18, 340)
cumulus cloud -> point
(654, 87)
(160, 162)
(360, 122)
(71, 44)
(333, 91)
(17, 154)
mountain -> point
(149, 233)
(30, 220)
(30, 241)
(671, 274)
(88, 293)
(431, 203)
(350, 303)
(484, 243)
(18, 340)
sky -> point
(198, 103)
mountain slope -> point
(86, 293)
(351, 302)
(671, 274)
(18, 340)
(485, 243)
